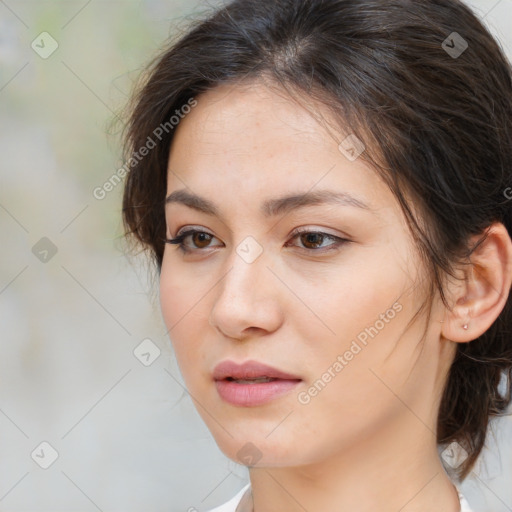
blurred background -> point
(93, 412)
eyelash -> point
(178, 240)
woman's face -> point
(331, 313)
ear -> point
(479, 298)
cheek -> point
(182, 294)
(360, 313)
(184, 315)
(171, 298)
(341, 302)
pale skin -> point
(366, 442)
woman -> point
(322, 185)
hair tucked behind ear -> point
(435, 117)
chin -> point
(258, 451)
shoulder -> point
(230, 506)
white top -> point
(231, 505)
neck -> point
(396, 470)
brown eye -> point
(312, 240)
(317, 242)
(201, 239)
(192, 241)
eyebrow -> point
(271, 207)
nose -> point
(248, 300)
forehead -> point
(254, 140)
(250, 116)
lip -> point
(251, 395)
(249, 370)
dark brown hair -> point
(427, 89)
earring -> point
(465, 326)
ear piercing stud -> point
(465, 326)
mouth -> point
(250, 371)
(251, 383)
